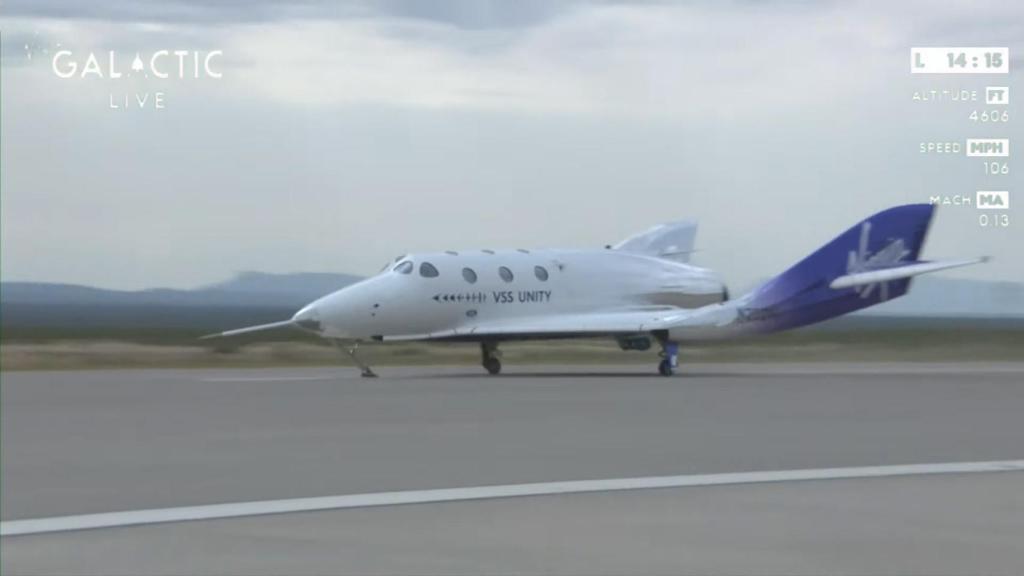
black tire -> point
(665, 367)
(493, 365)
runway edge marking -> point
(259, 508)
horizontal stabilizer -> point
(899, 272)
(247, 329)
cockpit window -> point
(505, 274)
(469, 275)
(427, 270)
(404, 267)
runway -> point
(107, 441)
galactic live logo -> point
(158, 68)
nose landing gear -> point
(489, 357)
(367, 372)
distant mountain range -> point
(929, 296)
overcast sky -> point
(341, 136)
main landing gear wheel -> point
(493, 365)
(669, 356)
(665, 367)
(489, 357)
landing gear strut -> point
(367, 372)
(489, 357)
(669, 358)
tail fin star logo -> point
(862, 260)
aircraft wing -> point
(601, 323)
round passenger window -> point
(469, 275)
(427, 270)
(541, 273)
(505, 274)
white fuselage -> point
(409, 300)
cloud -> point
(336, 141)
(662, 60)
(470, 14)
(675, 61)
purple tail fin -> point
(801, 295)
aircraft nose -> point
(308, 319)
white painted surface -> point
(241, 509)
